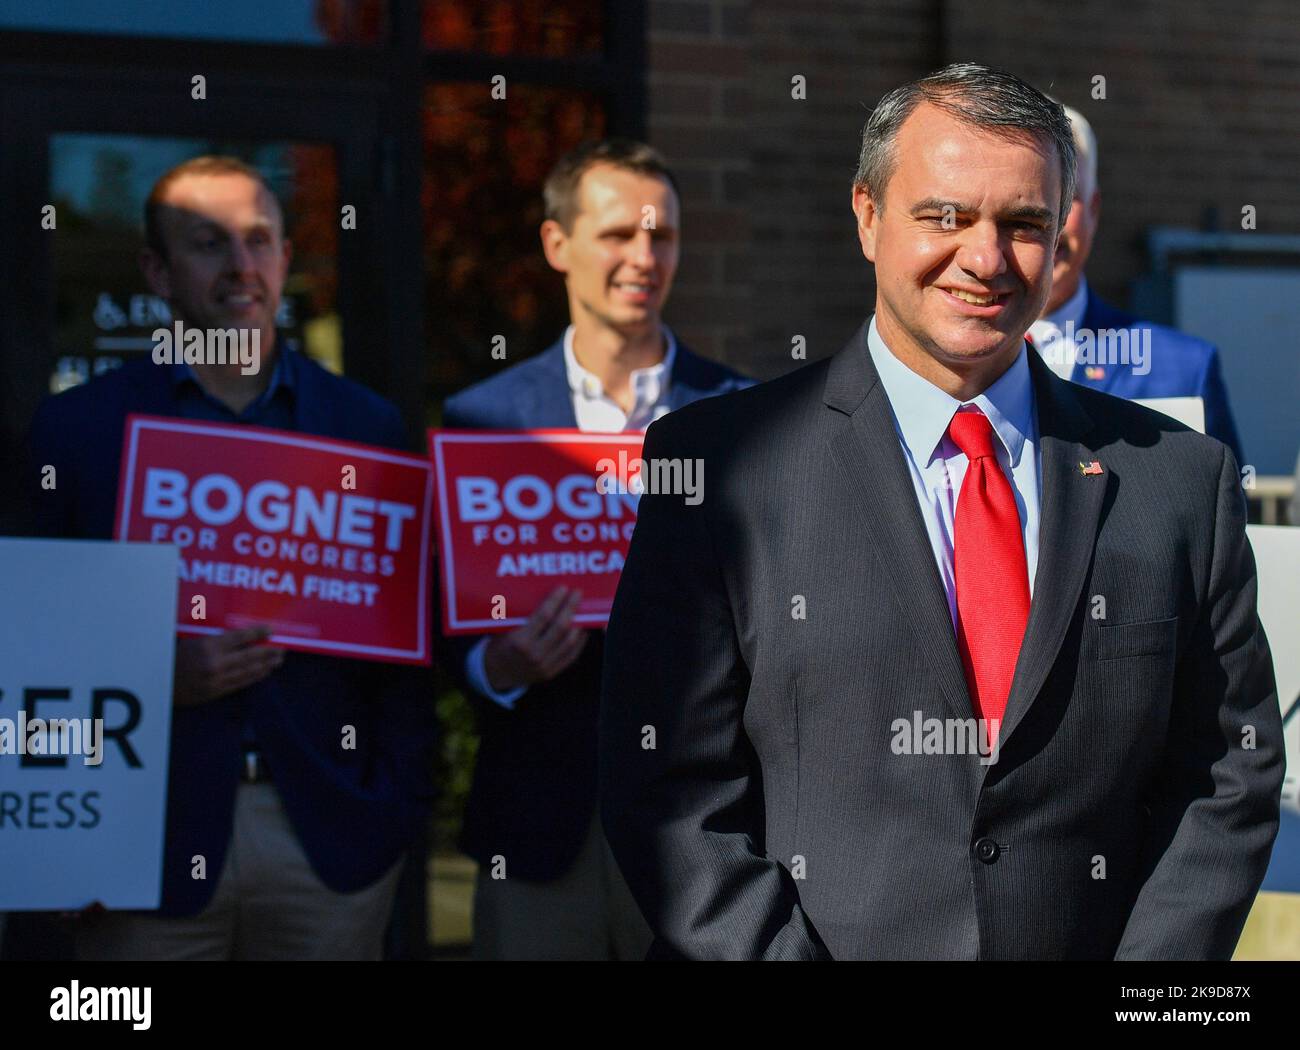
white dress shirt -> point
(1049, 333)
(596, 412)
(921, 415)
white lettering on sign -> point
(527, 497)
(269, 506)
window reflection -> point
(545, 28)
(281, 22)
(481, 202)
(104, 310)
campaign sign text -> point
(85, 721)
(324, 541)
(523, 512)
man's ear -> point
(287, 249)
(156, 273)
(1094, 208)
(868, 217)
(555, 245)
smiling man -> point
(932, 529)
(613, 229)
(302, 841)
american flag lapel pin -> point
(1090, 469)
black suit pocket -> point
(1122, 640)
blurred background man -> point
(1180, 365)
(303, 841)
(612, 228)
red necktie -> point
(989, 569)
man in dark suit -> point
(547, 886)
(1113, 350)
(965, 661)
(301, 841)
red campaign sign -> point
(273, 528)
(521, 512)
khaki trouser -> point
(588, 913)
(268, 904)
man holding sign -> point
(547, 887)
(298, 781)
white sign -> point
(1277, 562)
(1189, 411)
(85, 721)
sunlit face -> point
(227, 257)
(1073, 250)
(964, 243)
(620, 256)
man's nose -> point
(642, 250)
(239, 258)
(981, 252)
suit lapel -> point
(153, 391)
(685, 384)
(1070, 507)
(865, 444)
(549, 400)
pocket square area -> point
(1117, 641)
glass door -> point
(80, 159)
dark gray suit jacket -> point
(749, 788)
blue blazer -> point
(1181, 366)
(355, 812)
(533, 796)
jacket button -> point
(987, 850)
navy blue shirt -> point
(273, 408)
(354, 810)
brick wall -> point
(1202, 112)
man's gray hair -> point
(990, 99)
(1085, 145)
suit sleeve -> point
(1218, 415)
(456, 650)
(1215, 816)
(683, 816)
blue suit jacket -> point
(1181, 366)
(533, 796)
(354, 811)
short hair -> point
(560, 191)
(210, 164)
(990, 99)
(1085, 145)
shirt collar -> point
(1073, 309)
(282, 376)
(649, 385)
(922, 411)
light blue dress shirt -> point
(921, 415)
(1048, 333)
